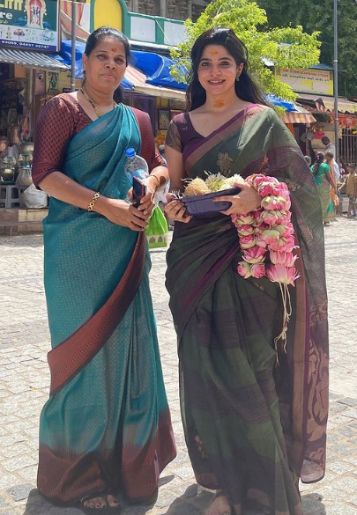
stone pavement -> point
(24, 381)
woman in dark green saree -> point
(254, 425)
(106, 427)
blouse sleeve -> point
(54, 129)
(173, 137)
(149, 150)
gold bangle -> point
(93, 201)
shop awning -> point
(139, 85)
(33, 59)
(157, 69)
(325, 103)
(296, 117)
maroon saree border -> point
(236, 122)
(67, 358)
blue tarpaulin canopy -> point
(157, 69)
(279, 102)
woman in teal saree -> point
(106, 427)
(252, 427)
(322, 177)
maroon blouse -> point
(63, 117)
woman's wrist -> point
(154, 182)
(102, 205)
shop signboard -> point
(309, 80)
(29, 24)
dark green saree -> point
(252, 428)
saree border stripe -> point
(67, 358)
(236, 123)
(298, 380)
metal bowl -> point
(27, 148)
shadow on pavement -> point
(192, 502)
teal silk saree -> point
(106, 426)
(252, 427)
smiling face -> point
(105, 66)
(217, 70)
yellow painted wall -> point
(108, 12)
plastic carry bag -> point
(157, 229)
(32, 198)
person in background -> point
(252, 427)
(323, 179)
(329, 147)
(351, 191)
(105, 431)
(335, 178)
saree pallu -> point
(106, 426)
(252, 428)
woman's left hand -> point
(147, 203)
(245, 201)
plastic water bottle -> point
(135, 165)
(137, 171)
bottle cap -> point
(130, 152)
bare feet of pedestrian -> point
(100, 504)
(219, 506)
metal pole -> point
(163, 8)
(335, 76)
(73, 45)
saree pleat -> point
(252, 427)
(107, 428)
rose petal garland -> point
(267, 241)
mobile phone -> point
(139, 190)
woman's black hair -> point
(108, 32)
(246, 89)
(319, 160)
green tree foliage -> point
(318, 16)
(287, 47)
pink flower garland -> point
(267, 240)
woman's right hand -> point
(122, 213)
(175, 210)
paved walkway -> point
(24, 381)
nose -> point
(215, 70)
(110, 65)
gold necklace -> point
(93, 104)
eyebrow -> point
(106, 52)
(220, 59)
